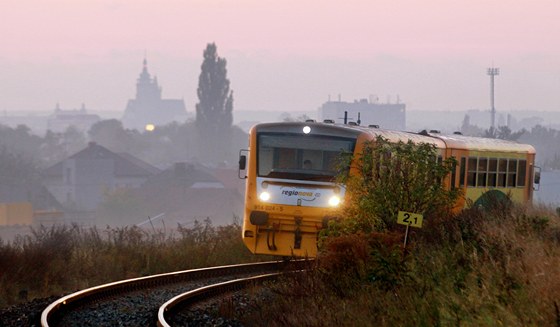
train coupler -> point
(297, 233)
(271, 239)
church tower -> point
(148, 108)
(147, 89)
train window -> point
(462, 168)
(453, 175)
(482, 171)
(512, 173)
(285, 158)
(330, 160)
(284, 155)
(502, 170)
(471, 172)
(439, 162)
(492, 170)
(522, 173)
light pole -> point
(493, 72)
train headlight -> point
(264, 196)
(306, 130)
(334, 201)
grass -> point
(480, 268)
(62, 259)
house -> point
(80, 119)
(26, 204)
(80, 181)
(188, 192)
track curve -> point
(144, 287)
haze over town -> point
(282, 55)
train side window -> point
(492, 170)
(482, 171)
(502, 170)
(522, 173)
(453, 175)
(471, 172)
(462, 168)
(512, 173)
(439, 162)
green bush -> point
(390, 177)
(485, 266)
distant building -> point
(60, 120)
(386, 115)
(187, 192)
(27, 203)
(80, 181)
(149, 108)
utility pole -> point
(493, 72)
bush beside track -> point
(497, 265)
(62, 259)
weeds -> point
(479, 268)
(61, 259)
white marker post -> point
(409, 219)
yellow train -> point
(290, 169)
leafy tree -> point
(20, 141)
(390, 177)
(214, 109)
(17, 170)
(112, 135)
(58, 146)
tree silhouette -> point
(214, 109)
(504, 133)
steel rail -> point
(56, 309)
(204, 293)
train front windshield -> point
(301, 157)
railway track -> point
(175, 312)
(135, 302)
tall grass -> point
(60, 259)
(481, 268)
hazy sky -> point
(282, 54)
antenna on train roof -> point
(345, 117)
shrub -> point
(61, 259)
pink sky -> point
(282, 54)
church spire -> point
(146, 86)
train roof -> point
(472, 143)
(455, 141)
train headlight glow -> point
(334, 201)
(307, 130)
(264, 196)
